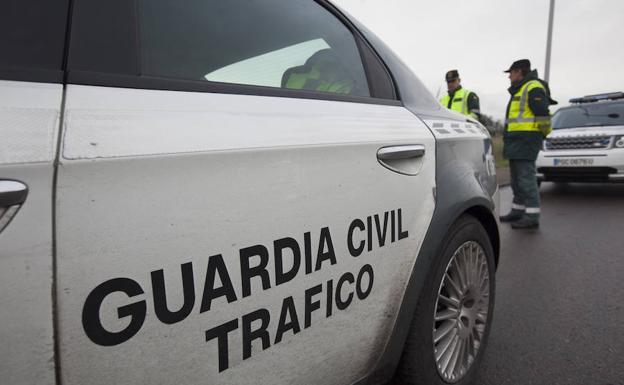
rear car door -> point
(240, 195)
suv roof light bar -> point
(598, 97)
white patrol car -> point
(587, 142)
(233, 192)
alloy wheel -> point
(461, 312)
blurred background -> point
(481, 38)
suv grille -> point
(589, 142)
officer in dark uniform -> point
(526, 126)
(460, 99)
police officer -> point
(460, 99)
(526, 126)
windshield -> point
(591, 115)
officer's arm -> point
(473, 106)
(538, 102)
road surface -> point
(559, 314)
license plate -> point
(573, 162)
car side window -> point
(32, 39)
(288, 44)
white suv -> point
(587, 142)
(233, 192)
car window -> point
(293, 44)
(33, 39)
(590, 115)
(269, 68)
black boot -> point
(513, 215)
(525, 222)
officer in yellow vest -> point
(460, 99)
(527, 124)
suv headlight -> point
(618, 142)
(545, 144)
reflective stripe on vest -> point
(459, 103)
(521, 117)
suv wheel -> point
(452, 321)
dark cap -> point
(520, 64)
(452, 75)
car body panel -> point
(465, 184)
(29, 116)
(153, 180)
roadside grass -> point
(497, 148)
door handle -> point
(12, 195)
(401, 152)
(404, 159)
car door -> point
(240, 196)
(32, 47)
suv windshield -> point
(590, 115)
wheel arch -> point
(487, 220)
(478, 207)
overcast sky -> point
(481, 38)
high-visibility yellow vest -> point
(459, 102)
(521, 117)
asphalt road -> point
(559, 313)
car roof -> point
(592, 104)
(598, 98)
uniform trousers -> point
(524, 186)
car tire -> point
(465, 246)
